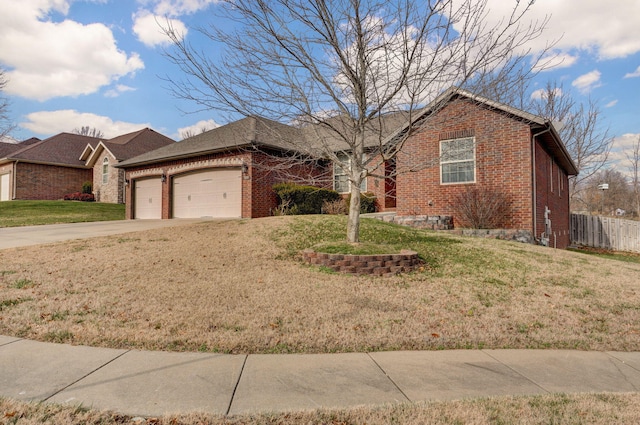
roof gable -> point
(128, 145)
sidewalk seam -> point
(235, 388)
(86, 375)
(389, 378)
(616, 362)
(518, 373)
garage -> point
(210, 193)
(5, 184)
(148, 198)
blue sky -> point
(73, 63)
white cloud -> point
(609, 30)
(149, 28)
(47, 59)
(48, 123)
(176, 7)
(556, 60)
(611, 104)
(197, 128)
(118, 90)
(542, 93)
(634, 74)
(587, 82)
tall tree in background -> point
(341, 66)
(5, 122)
(585, 136)
(89, 131)
(634, 169)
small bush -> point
(481, 208)
(87, 187)
(297, 199)
(337, 207)
(78, 196)
(367, 202)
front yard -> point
(32, 213)
(237, 287)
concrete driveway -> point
(12, 237)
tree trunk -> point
(353, 223)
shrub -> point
(337, 207)
(481, 208)
(87, 187)
(367, 202)
(298, 199)
(77, 196)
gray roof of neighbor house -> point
(62, 149)
(130, 145)
(539, 125)
(253, 131)
(8, 148)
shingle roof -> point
(8, 148)
(133, 144)
(62, 149)
(238, 134)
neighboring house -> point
(459, 141)
(46, 169)
(102, 156)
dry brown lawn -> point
(232, 286)
(593, 409)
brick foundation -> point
(380, 265)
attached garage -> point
(148, 198)
(210, 193)
(5, 186)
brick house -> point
(101, 157)
(459, 141)
(46, 169)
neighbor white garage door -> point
(5, 182)
(148, 198)
(210, 193)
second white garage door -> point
(211, 193)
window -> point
(105, 170)
(458, 161)
(341, 177)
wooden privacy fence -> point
(605, 232)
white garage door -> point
(5, 182)
(148, 198)
(211, 193)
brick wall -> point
(48, 182)
(552, 195)
(503, 162)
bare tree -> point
(634, 169)
(581, 129)
(89, 131)
(338, 68)
(185, 134)
(5, 121)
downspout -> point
(533, 175)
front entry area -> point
(213, 193)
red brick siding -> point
(48, 182)
(503, 162)
(552, 193)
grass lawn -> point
(238, 286)
(593, 409)
(31, 213)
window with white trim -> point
(105, 170)
(458, 160)
(341, 176)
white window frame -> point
(444, 161)
(105, 170)
(338, 171)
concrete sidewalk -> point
(155, 383)
(13, 237)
